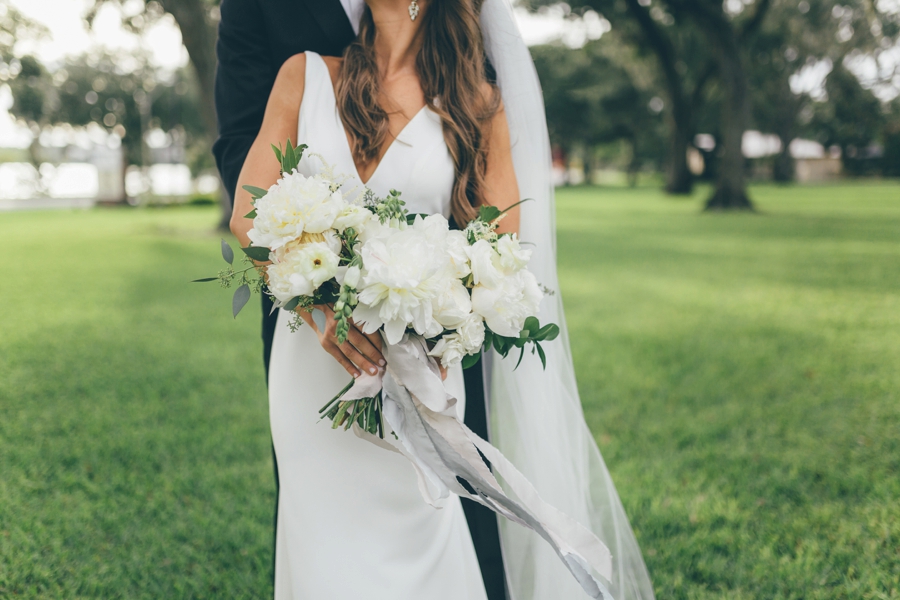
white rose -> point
(471, 334)
(403, 271)
(452, 305)
(293, 205)
(300, 269)
(506, 305)
(512, 257)
(482, 257)
(449, 349)
(354, 216)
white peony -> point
(450, 350)
(293, 205)
(506, 305)
(471, 333)
(484, 259)
(510, 255)
(457, 246)
(300, 269)
(452, 305)
(354, 216)
(403, 273)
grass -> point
(739, 372)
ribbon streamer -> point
(442, 450)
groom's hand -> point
(361, 352)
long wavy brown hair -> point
(451, 69)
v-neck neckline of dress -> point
(397, 138)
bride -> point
(410, 107)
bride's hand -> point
(360, 351)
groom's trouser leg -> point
(268, 335)
(483, 521)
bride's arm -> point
(262, 170)
(279, 123)
(500, 186)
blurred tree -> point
(693, 41)
(197, 20)
(852, 118)
(125, 98)
(797, 37)
(592, 99)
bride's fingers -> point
(364, 344)
(357, 349)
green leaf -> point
(251, 214)
(532, 325)
(256, 192)
(470, 360)
(292, 303)
(488, 213)
(227, 253)
(541, 354)
(548, 332)
(205, 279)
(278, 154)
(259, 253)
(241, 296)
(411, 217)
(488, 337)
(521, 356)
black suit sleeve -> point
(244, 78)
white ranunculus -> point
(354, 216)
(403, 271)
(301, 269)
(471, 333)
(450, 349)
(452, 305)
(512, 257)
(293, 205)
(506, 305)
(483, 259)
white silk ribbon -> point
(443, 451)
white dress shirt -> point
(354, 10)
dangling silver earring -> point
(413, 10)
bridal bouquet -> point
(432, 293)
(388, 270)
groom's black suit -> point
(255, 38)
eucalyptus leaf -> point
(292, 303)
(227, 253)
(241, 296)
(256, 192)
(521, 356)
(540, 352)
(259, 253)
(470, 360)
(548, 332)
(205, 279)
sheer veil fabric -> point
(536, 415)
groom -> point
(255, 38)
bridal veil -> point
(536, 415)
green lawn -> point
(740, 373)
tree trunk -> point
(731, 186)
(783, 169)
(679, 179)
(198, 33)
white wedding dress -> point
(352, 524)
